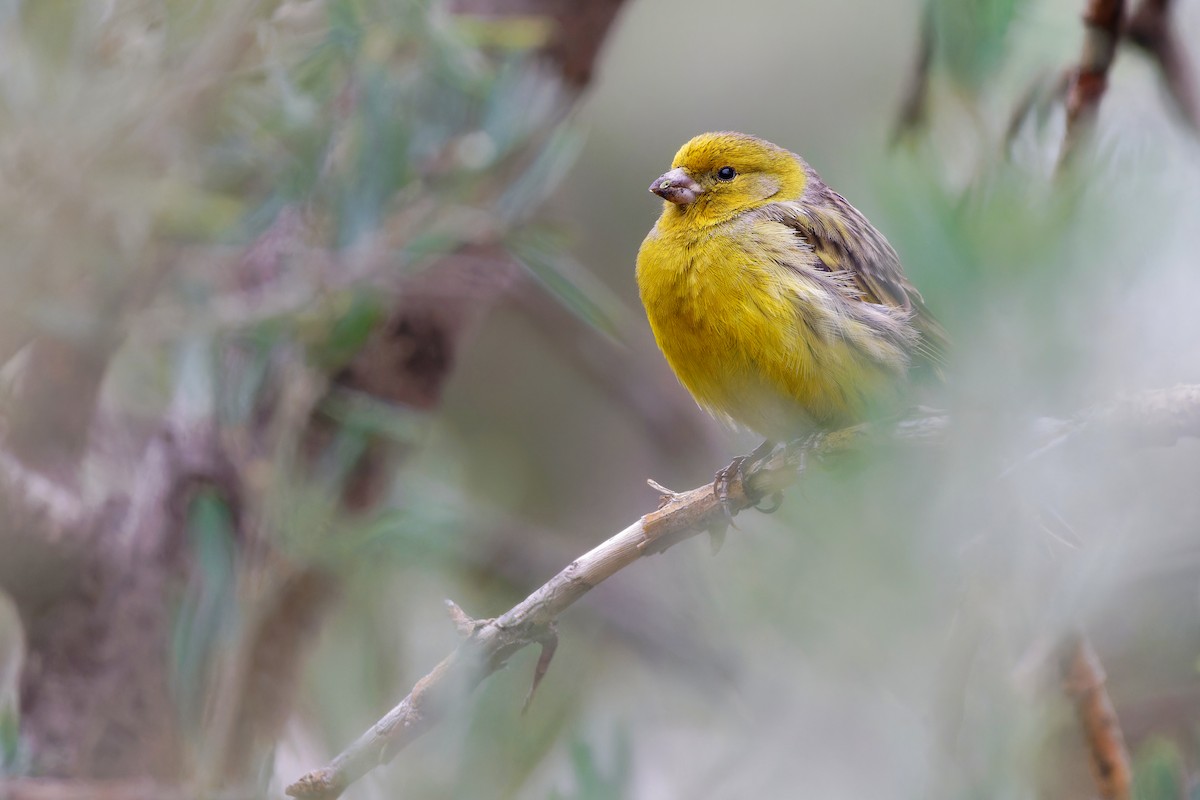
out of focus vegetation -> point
(890, 632)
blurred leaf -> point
(335, 346)
(10, 740)
(190, 212)
(539, 180)
(12, 650)
(413, 536)
(1158, 771)
(514, 32)
(208, 608)
(548, 261)
(345, 32)
(193, 390)
(520, 103)
(246, 365)
(972, 35)
(372, 416)
(594, 782)
(381, 166)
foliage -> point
(226, 199)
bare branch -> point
(1083, 681)
(1152, 418)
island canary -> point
(777, 304)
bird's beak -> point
(676, 187)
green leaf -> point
(345, 30)
(576, 288)
(972, 35)
(371, 416)
(1158, 771)
(350, 331)
(209, 607)
(10, 740)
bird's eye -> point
(726, 173)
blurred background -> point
(317, 313)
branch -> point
(1151, 418)
(1083, 681)
(1150, 29)
(1088, 81)
(577, 29)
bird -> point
(776, 303)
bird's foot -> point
(724, 479)
(736, 471)
(776, 499)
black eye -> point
(726, 173)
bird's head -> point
(716, 176)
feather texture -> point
(776, 303)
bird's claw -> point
(776, 499)
(736, 470)
(723, 480)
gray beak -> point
(676, 187)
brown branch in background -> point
(1152, 418)
(1083, 681)
(1103, 19)
(576, 31)
(1150, 29)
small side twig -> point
(1083, 681)
(465, 626)
(549, 648)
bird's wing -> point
(845, 241)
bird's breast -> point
(724, 321)
(748, 331)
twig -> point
(493, 642)
(1083, 681)
(1088, 81)
(1150, 29)
(1150, 418)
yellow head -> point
(717, 176)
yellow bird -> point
(777, 304)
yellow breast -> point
(753, 341)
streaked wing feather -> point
(844, 239)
